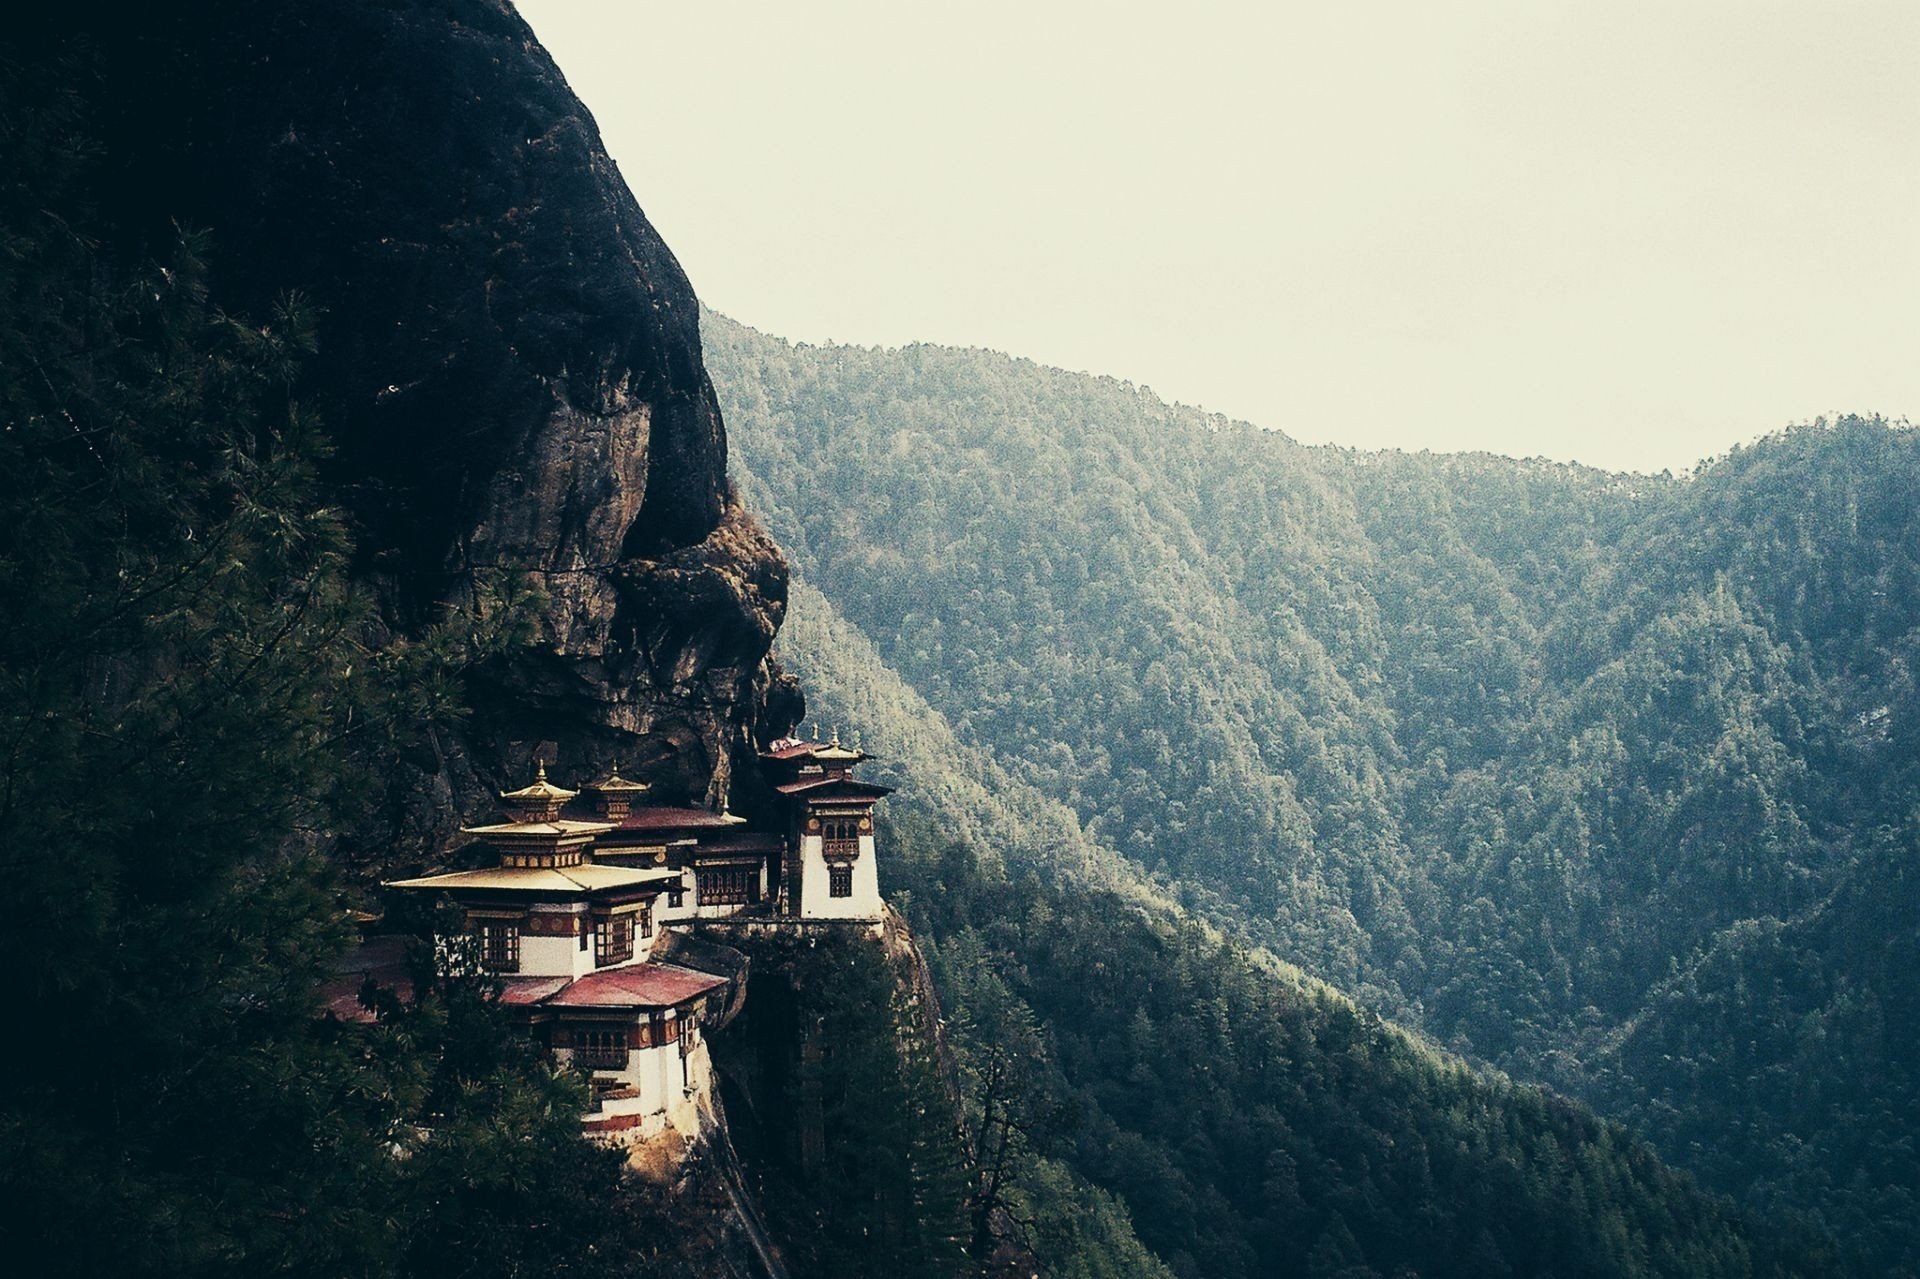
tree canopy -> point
(1520, 754)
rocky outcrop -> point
(508, 359)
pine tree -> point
(185, 710)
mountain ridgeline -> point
(358, 448)
(1608, 780)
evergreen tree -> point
(186, 712)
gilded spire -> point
(836, 753)
(542, 795)
(614, 783)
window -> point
(729, 885)
(839, 880)
(676, 895)
(840, 837)
(600, 1047)
(658, 1030)
(499, 946)
(612, 940)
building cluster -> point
(583, 886)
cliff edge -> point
(509, 365)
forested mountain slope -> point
(1141, 1089)
(1521, 753)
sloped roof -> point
(541, 791)
(746, 841)
(588, 877)
(788, 749)
(521, 992)
(614, 784)
(538, 830)
(661, 817)
(647, 985)
(847, 786)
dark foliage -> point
(187, 707)
(837, 1102)
(1255, 1124)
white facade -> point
(664, 1089)
(553, 957)
(667, 913)
(556, 953)
(816, 883)
(558, 940)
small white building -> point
(828, 869)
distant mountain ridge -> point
(326, 520)
(1500, 747)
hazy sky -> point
(1626, 234)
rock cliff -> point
(509, 362)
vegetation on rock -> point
(189, 707)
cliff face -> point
(509, 361)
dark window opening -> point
(730, 886)
(500, 947)
(839, 881)
(612, 940)
(840, 837)
(603, 1049)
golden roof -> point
(614, 784)
(541, 792)
(833, 750)
(587, 877)
(559, 828)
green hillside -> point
(1160, 1098)
(1504, 749)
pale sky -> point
(1628, 234)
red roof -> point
(519, 992)
(756, 842)
(849, 787)
(382, 958)
(642, 985)
(669, 817)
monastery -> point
(586, 885)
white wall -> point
(665, 914)
(554, 956)
(815, 901)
